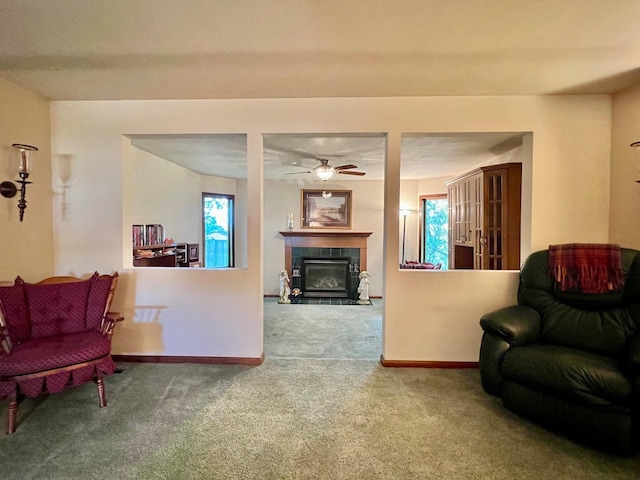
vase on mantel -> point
(290, 222)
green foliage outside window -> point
(217, 212)
(436, 221)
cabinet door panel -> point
(502, 216)
(484, 215)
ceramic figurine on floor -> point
(363, 288)
(285, 288)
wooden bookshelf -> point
(161, 255)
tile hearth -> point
(325, 301)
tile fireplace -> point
(325, 277)
(325, 255)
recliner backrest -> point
(598, 323)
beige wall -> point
(171, 199)
(427, 315)
(433, 186)
(282, 197)
(26, 247)
(625, 169)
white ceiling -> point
(292, 157)
(197, 49)
(168, 49)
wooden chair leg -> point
(12, 413)
(101, 394)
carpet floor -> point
(322, 331)
(324, 412)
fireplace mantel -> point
(325, 235)
(332, 239)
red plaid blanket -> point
(586, 267)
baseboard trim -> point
(426, 364)
(188, 359)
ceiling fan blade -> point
(297, 166)
(349, 172)
(345, 167)
(328, 156)
(296, 173)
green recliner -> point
(568, 360)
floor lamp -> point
(405, 213)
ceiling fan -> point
(324, 171)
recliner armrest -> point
(517, 325)
(633, 354)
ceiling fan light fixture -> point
(324, 171)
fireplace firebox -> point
(325, 277)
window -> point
(218, 230)
(434, 225)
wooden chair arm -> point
(109, 322)
(5, 341)
(116, 316)
(6, 344)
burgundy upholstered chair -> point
(54, 334)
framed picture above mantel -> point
(326, 209)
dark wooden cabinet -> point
(161, 255)
(484, 218)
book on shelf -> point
(137, 232)
(150, 234)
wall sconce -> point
(9, 189)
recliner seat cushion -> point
(575, 375)
(46, 353)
